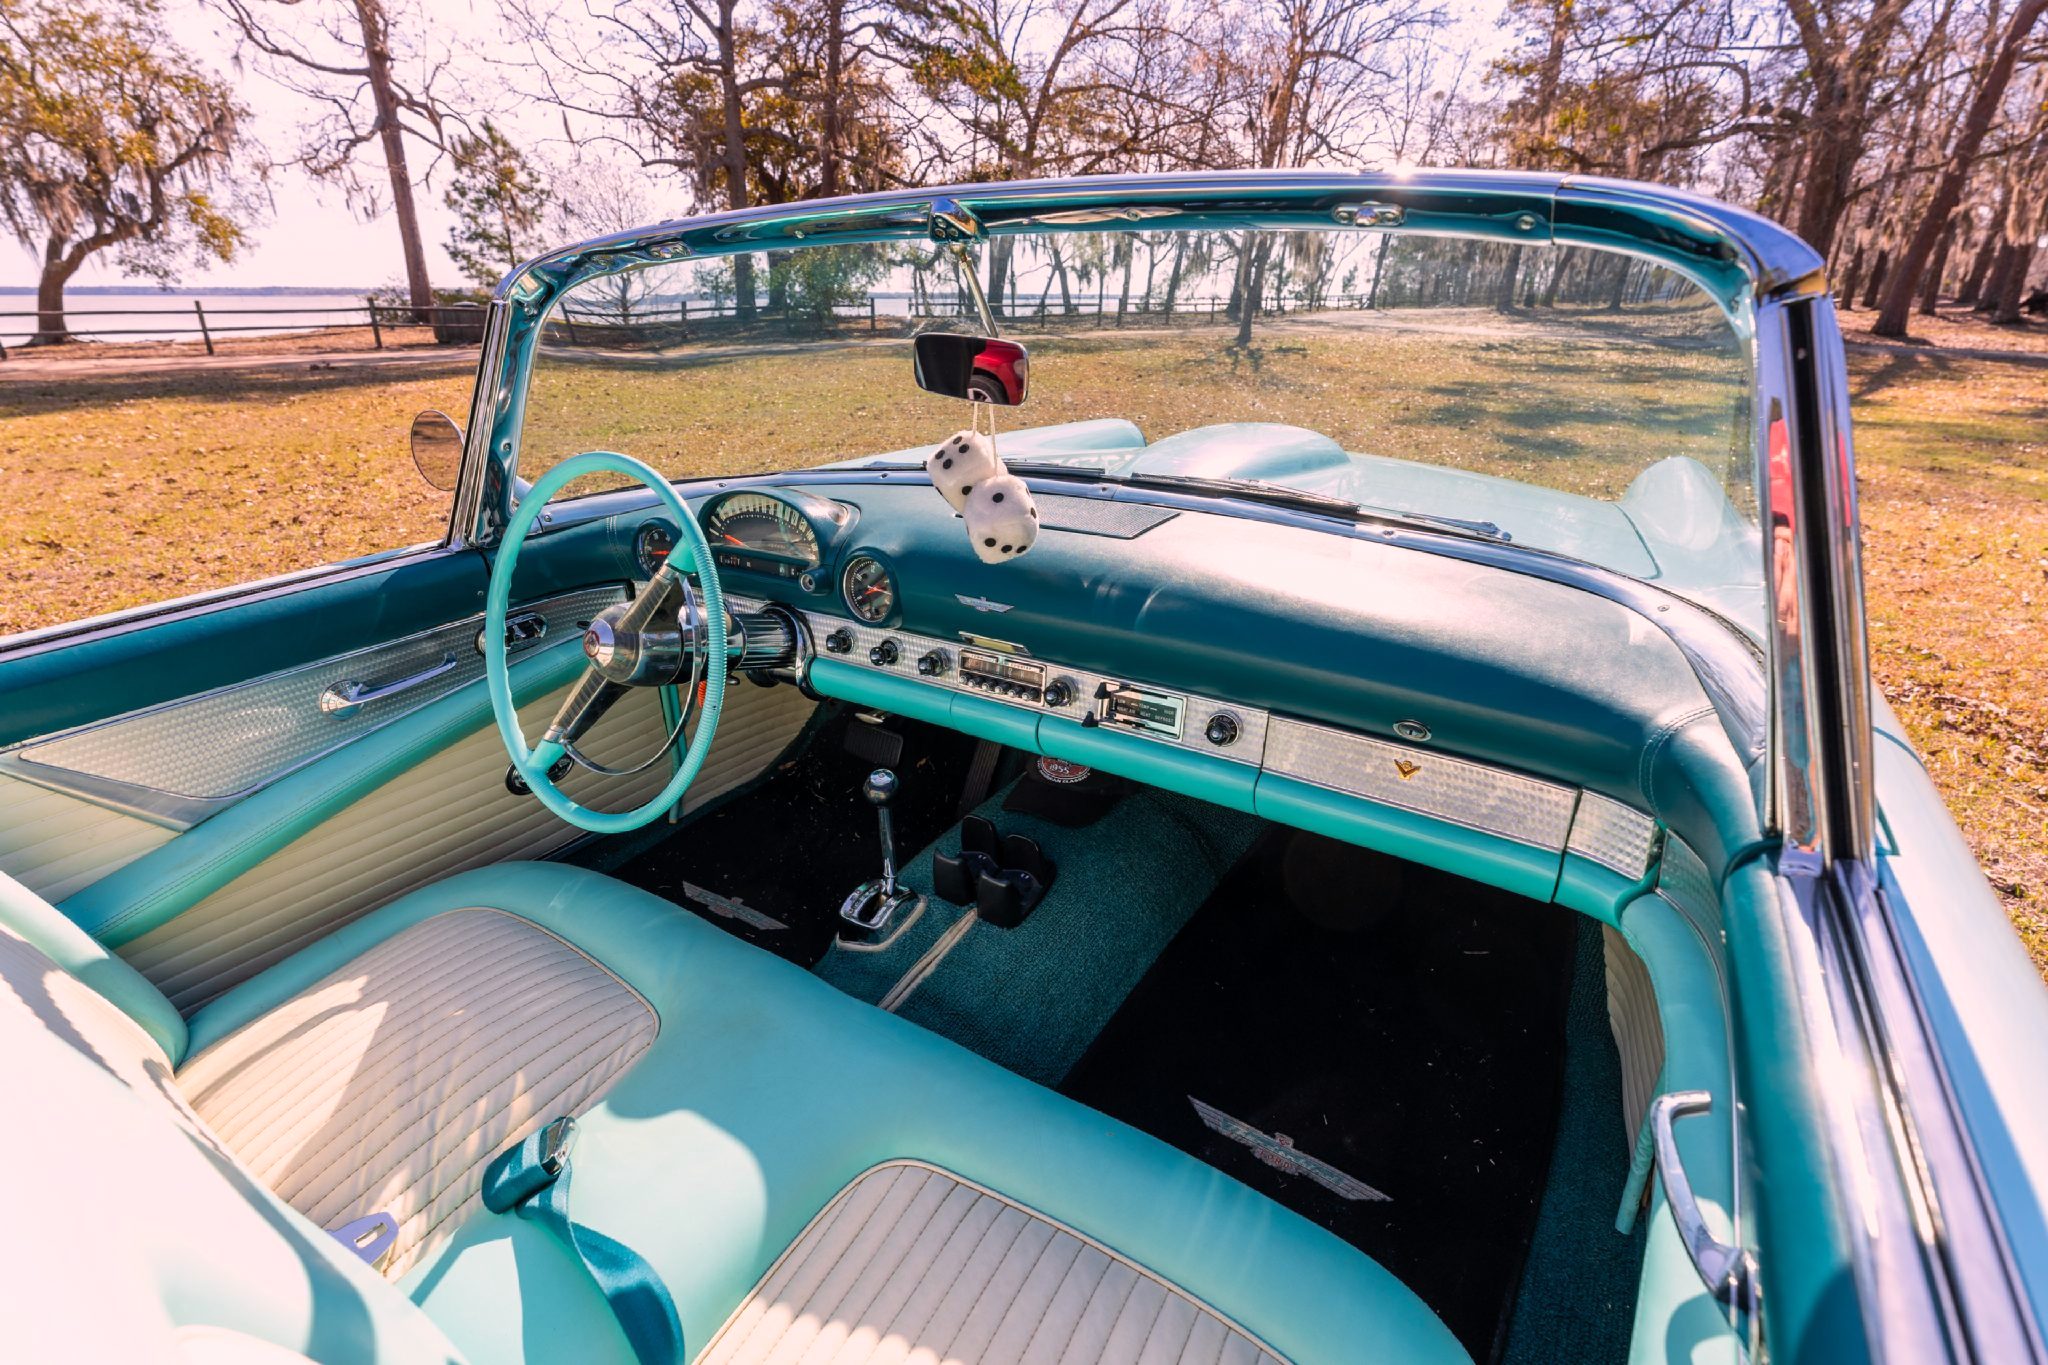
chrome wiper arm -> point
(1259, 490)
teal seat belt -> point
(532, 1180)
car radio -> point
(1003, 675)
(1144, 709)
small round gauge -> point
(870, 592)
(651, 545)
(745, 525)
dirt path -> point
(26, 365)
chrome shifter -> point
(868, 911)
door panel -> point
(56, 844)
(447, 814)
(183, 760)
(54, 683)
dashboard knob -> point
(839, 641)
(884, 654)
(1059, 692)
(1223, 729)
(934, 664)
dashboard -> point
(1273, 669)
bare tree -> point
(1962, 156)
(361, 63)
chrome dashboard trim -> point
(1248, 749)
(1617, 837)
(180, 761)
(1528, 810)
(1491, 800)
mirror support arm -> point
(965, 263)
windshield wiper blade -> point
(1259, 490)
(1252, 490)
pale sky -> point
(312, 239)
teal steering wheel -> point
(595, 693)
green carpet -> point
(1033, 998)
(1578, 1293)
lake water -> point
(148, 315)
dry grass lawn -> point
(131, 489)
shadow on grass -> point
(58, 394)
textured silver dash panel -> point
(220, 745)
(1514, 807)
(1683, 879)
(1612, 835)
(1251, 742)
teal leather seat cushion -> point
(767, 1092)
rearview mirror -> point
(437, 449)
(980, 369)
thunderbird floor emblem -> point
(1278, 1151)
(981, 603)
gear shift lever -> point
(867, 912)
(880, 790)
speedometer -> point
(761, 532)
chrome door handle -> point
(343, 698)
(1729, 1271)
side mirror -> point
(980, 369)
(437, 449)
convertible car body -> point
(1363, 832)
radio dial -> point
(934, 664)
(1223, 729)
(1059, 692)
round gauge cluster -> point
(869, 591)
(651, 546)
(762, 533)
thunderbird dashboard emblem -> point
(1406, 768)
(981, 603)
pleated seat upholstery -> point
(912, 1263)
(388, 1086)
(811, 1178)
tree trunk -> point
(1948, 190)
(1509, 276)
(51, 328)
(735, 135)
(2005, 308)
(1980, 266)
(999, 252)
(829, 114)
(391, 137)
(1851, 277)
(1994, 283)
(1878, 270)
(1930, 288)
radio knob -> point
(884, 654)
(1223, 729)
(839, 641)
(1059, 692)
(934, 664)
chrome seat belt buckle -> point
(370, 1237)
(529, 1166)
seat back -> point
(130, 1226)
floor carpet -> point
(1404, 1026)
(1578, 1294)
(795, 844)
(1033, 998)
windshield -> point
(1574, 401)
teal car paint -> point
(1564, 651)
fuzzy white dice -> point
(966, 460)
(1002, 520)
